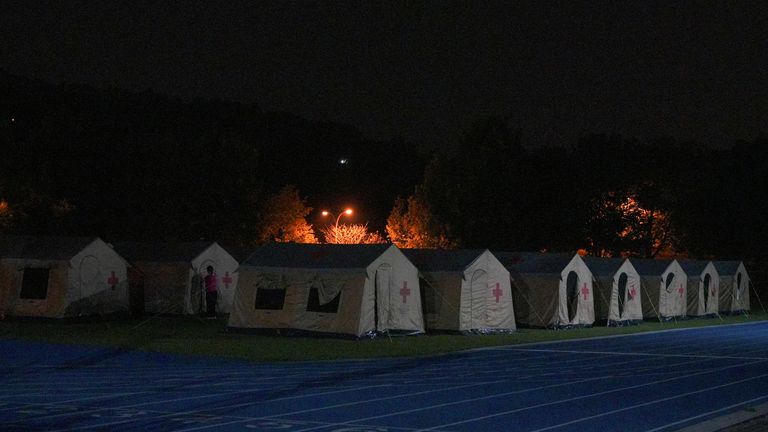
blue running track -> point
(650, 382)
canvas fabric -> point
(607, 296)
(467, 300)
(381, 297)
(92, 282)
(665, 302)
(703, 300)
(734, 297)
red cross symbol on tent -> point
(681, 290)
(113, 280)
(497, 292)
(585, 291)
(227, 279)
(632, 292)
(405, 291)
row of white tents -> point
(63, 277)
(360, 289)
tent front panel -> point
(632, 295)
(98, 282)
(666, 293)
(486, 296)
(581, 309)
(702, 292)
(294, 287)
(225, 267)
(734, 291)
(393, 286)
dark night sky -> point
(423, 70)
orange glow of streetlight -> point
(345, 212)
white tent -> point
(550, 290)
(703, 287)
(340, 289)
(734, 287)
(664, 287)
(172, 273)
(61, 277)
(464, 290)
(618, 291)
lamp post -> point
(345, 212)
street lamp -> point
(345, 212)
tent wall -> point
(167, 286)
(295, 285)
(734, 296)
(536, 299)
(55, 303)
(540, 298)
(442, 300)
(384, 296)
(93, 282)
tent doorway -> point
(622, 293)
(478, 288)
(705, 294)
(197, 287)
(739, 287)
(668, 283)
(381, 292)
(572, 294)
(90, 275)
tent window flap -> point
(34, 284)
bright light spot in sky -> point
(343, 161)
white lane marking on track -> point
(654, 402)
(715, 357)
(95, 410)
(557, 402)
(707, 414)
(356, 421)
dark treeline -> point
(79, 160)
(605, 194)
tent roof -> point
(693, 267)
(162, 251)
(726, 267)
(42, 247)
(603, 266)
(650, 266)
(534, 262)
(442, 259)
(300, 255)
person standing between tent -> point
(211, 292)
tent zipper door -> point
(381, 297)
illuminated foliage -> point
(5, 215)
(282, 218)
(412, 225)
(351, 234)
(620, 226)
